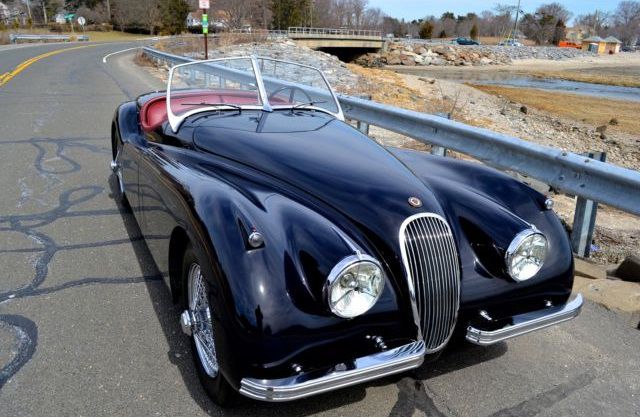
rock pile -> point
(336, 71)
(424, 53)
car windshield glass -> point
(246, 83)
(221, 84)
(293, 85)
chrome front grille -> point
(431, 264)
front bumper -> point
(396, 360)
(360, 370)
(527, 322)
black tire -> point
(218, 388)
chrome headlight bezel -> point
(339, 270)
(524, 237)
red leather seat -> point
(153, 113)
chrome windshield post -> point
(266, 106)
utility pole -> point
(515, 25)
(44, 11)
(108, 11)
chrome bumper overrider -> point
(360, 370)
(528, 322)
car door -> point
(157, 197)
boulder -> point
(420, 50)
(628, 270)
(408, 60)
(418, 60)
(394, 60)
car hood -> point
(334, 163)
(325, 158)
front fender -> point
(272, 303)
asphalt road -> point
(87, 328)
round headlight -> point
(526, 254)
(354, 285)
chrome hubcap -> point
(196, 321)
(116, 168)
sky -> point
(415, 9)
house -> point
(609, 45)
(612, 45)
(60, 18)
(194, 19)
(577, 33)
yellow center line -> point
(7, 76)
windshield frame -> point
(176, 120)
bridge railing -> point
(565, 171)
(308, 32)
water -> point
(507, 79)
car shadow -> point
(453, 358)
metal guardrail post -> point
(440, 150)
(363, 126)
(584, 218)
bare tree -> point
(149, 14)
(239, 12)
(627, 21)
(595, 23)
(124, 12)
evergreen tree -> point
(473, 33)
(426, 30)
(174, 16)
(443, 34)
(560, 32)
(287, 13)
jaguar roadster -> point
(306, 256)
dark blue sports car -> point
(306, 256)
(466, 41)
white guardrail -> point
(15, 38)
(565, 171)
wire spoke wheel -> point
(118, 170)
(201, 324)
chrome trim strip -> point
(527, 322)
(362, 369)
(430, 260)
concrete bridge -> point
(344, 43)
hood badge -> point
(415, 202)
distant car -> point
(629, 48)
(466, 41)
(510, 42)
(307, 257)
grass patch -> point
(595, 111)
(113, 36)
(603, 77)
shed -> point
(612, 45)
(594, 44)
